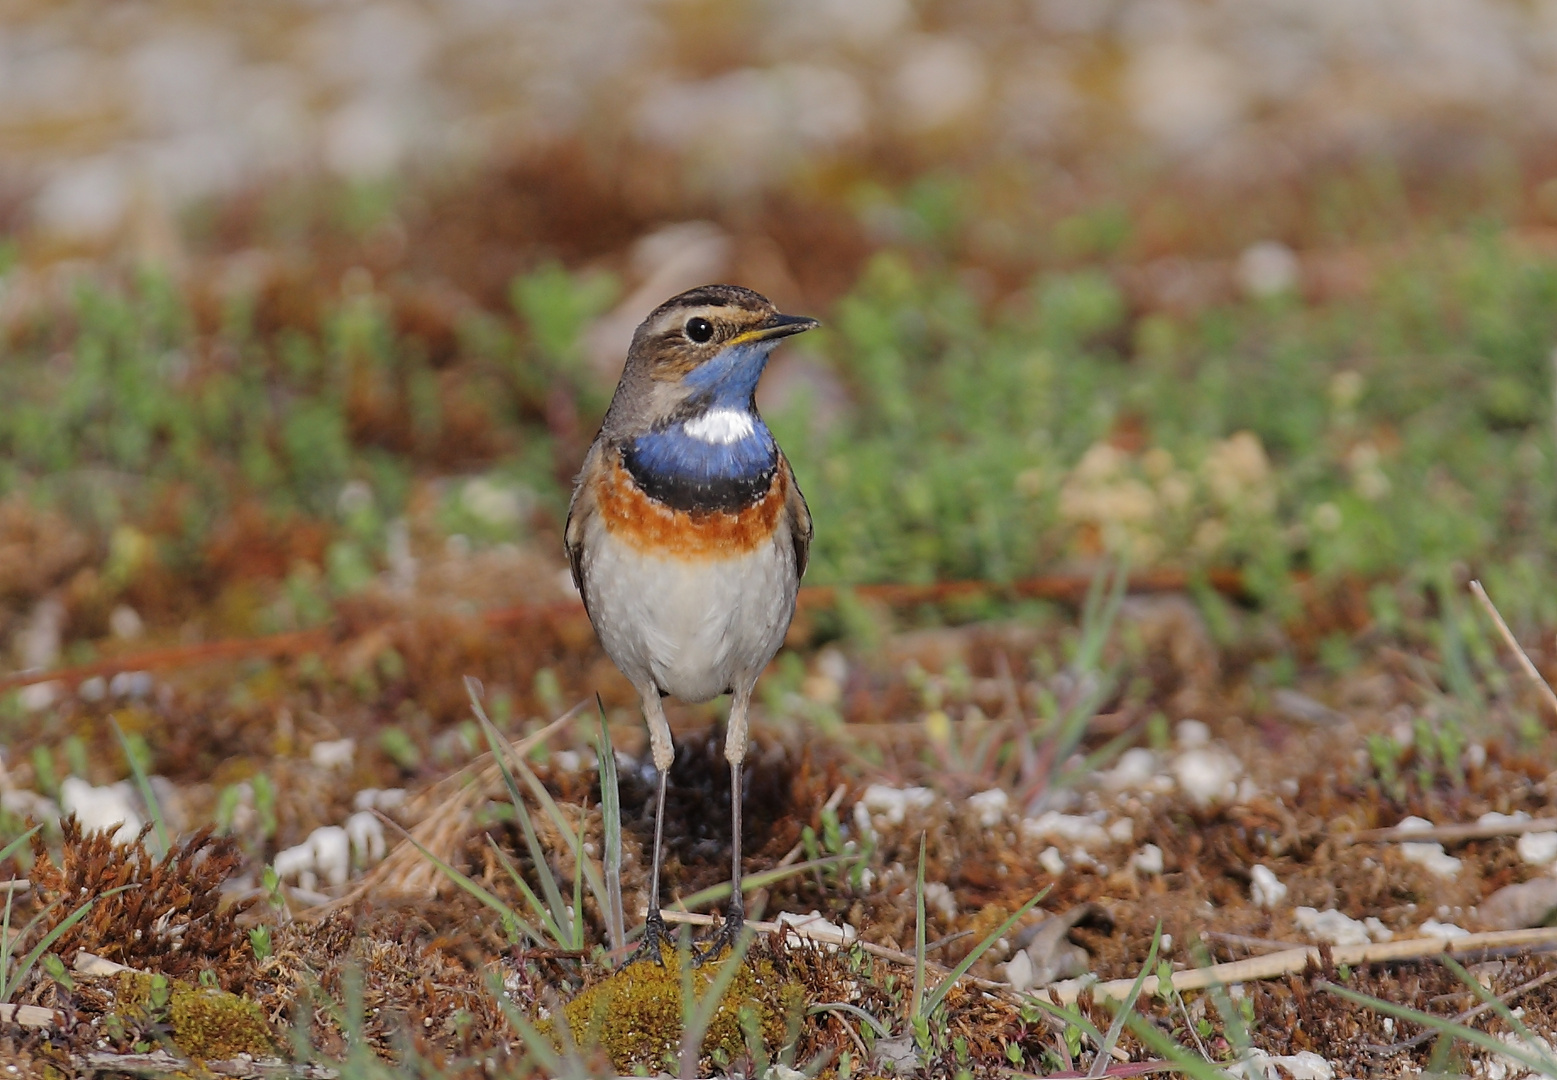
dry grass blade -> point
(1443, 833)
(1514, 647)
(448, 808)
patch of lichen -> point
(206, 1024)
(635, 1015)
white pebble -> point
(373, 798)
(862, 822)
(937, 897)
(1122, 831)
(1267, 268)
(817, 929)
(1135, 768)
(332, 853)
(1377, 930)
(990, 806)
(1265, 889)
(38, 696)
(1303, 1065)
(1148, 860)
(296, 862)
(893, 804)
(1207, 775)
(367, 836)
(1492, 817)
(125, 623)
(100, 809)
(1331, 926)
(1019, 972)
(1432, 858)
(1052, 861)
(1537, 848)
(136, 685)
(1079, 829)
(333, 753)
(1190, 734)
(1448, 931)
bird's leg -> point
(655, 935)
(735, 754)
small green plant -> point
(925, 1000)
(138, 755)
(14, 971)
(259, 941)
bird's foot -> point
(656, 938)
(729, 933)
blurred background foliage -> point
(296, 302)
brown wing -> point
(799, 518)
(580, 509)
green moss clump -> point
(207, 1024)
(213, 1025)
(635, 1014)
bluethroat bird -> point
(687, 533)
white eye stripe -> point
(720, 426)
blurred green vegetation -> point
(1391, 435)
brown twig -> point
(1443, 833)
(1514, 647)
(1295, 960)
(1264, 945)
(1058, 587)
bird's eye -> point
(699, 330)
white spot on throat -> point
(720, 426)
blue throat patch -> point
(689, 473)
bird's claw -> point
(725, 939)
(655, 938)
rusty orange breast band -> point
(655, 529)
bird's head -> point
(702, 351)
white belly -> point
(692, 628)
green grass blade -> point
(578, 884)
(877, 1026)
(6, 988)
(611, 822)
(943, 988)
(508, 914)
(1491, 1000)
(143, 784)
(553, 893)
(538, 789)
(48, 939)
(702, 1015)
(1539, 1063)
(548, 923)
(1160, 1043)
(1073, 1017)
(1126, 1007)
(16, 845)
(918, 996)
(536, 1045)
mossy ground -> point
(636, 1014)
(205, 1024)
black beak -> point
(779, 325)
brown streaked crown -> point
(662, 338)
